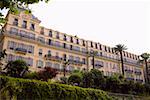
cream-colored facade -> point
(24, 38)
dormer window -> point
(24, 24)
(42, 31)
(71, 39)
(57, 35)
(96, 45)
(50, 34)
(77, 41)
(91, 44)
(83, 43)
(65, 39)
(15, 22)
(105, 48)
(32, 27)
(100, 47)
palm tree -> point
(119, 49)
(145, 57)
(65, 63)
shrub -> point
(74, 79)
(23, 89)
(16, 68)
(47, 73)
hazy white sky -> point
(109, 22)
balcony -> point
(98, 65)
(15, 23)
(130, 78)
(128, 71)
(21, 50)
(138, 72)
(24, 26)
(139, 80)
(75, 62)
(53, 58)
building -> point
(24, 38)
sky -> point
(108, 22)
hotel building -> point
(24, 38)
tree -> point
(3, 54)
(47, 73)
(87, 80)
(65, 64)
(98, 78)
(145, 57)
(16, 68)
(74, 79)
(119, 49)
(13, 5)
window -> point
(70, 47)
(40, 52)
(105, 48)
(71, 57)
(30, 49)
(77, 41)
(56, 66)
(50, 34)
(15, 22)
(96, 45)
(57, 35)
(30, 61)
(100, 47)
(24, 24)
(49, 41)
(57, 54)
(39, 63)
(64, 57)
(91, 44)
(83, 43)
(49, 52)
(64, 45)
(42, 31)
(32, 27)
(13, 31)
(83, 60)
(48, 64)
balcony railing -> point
(75, 62)
(138, 72)
(53, 58)
(130, 78)
(139, 80)
(15, 23)
(21, 50)
(129, 71)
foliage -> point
(3, 54)
(63, 80)
(74, 79)
(47, 73)
(16, 68)
(32, 75)
(87, 80)
(119, 49)
(23, 89)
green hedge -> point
(24, 89)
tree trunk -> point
(122, 66)
(147, 79)
(93, 63)
(64, 70)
